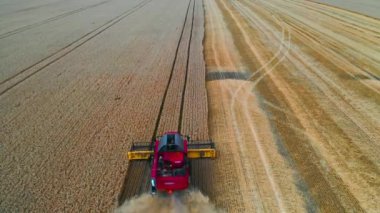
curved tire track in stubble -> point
(261, 74)
(338, 57)
(262, 71)
(317, 101)
(335, 94)
(28, 72)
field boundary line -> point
(267, 70)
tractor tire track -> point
(28, 9)
(88, 120)
(280, 87)
(84, 98)
(63, 15)
(28, 72)
(137, 171)
(351, 105)
(171, 118)
(317, 97)
(265, 71)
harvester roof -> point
(171, 142)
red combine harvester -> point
(170, 157)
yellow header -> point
(191, 154)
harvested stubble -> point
(304, 133)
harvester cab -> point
(170, 157)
